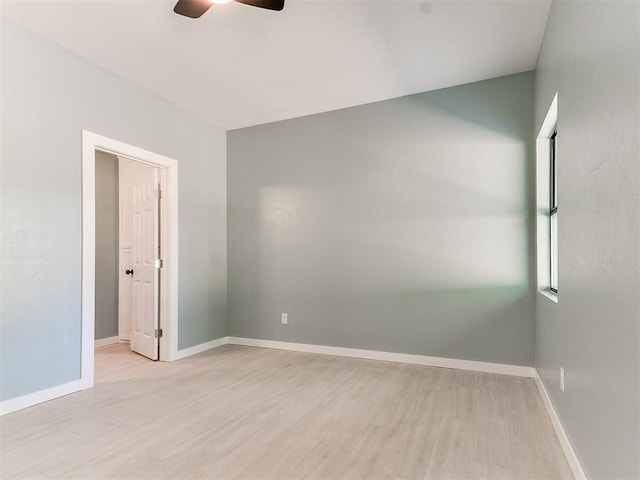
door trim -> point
(169, 245)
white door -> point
(144, 252)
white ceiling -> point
(238, 66)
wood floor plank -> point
(249, 413)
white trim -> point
(169, 244)
(471, 365)
(88, 260)
(31, 399)
(550, 120)
(474, 366)
(549, 294)
(103, 342)
(187, 352)
(567, 448)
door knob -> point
(129, 272)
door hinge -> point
(158, 263)
(157, 193)
(158, 333)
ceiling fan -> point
(195, 8)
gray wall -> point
(106, 301)
(48, 96)
(402, 226)
(590, 56)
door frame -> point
(168, 245)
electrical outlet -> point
(562, 380)
(284, 319)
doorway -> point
(127, 294)
(161, 295)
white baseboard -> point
(567, 448)
(203, 347)
(503, 369)
(31, 399)
(103, 342)
(12, 405)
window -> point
(547, 204)
(553, 213)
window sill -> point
(550, 295)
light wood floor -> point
(242, 412)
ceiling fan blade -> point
(192, 8)
(268, 4)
